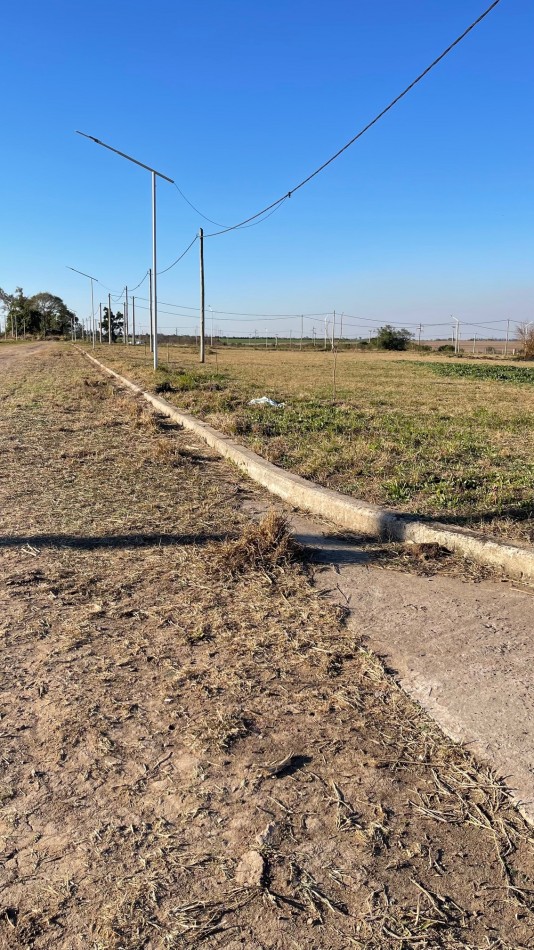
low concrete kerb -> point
(342, 510)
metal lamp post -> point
(92, 298)
(155, 174)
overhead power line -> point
(275, 204)
(188, 248)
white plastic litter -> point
(265, 401)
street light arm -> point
(76, 271)
(124, 155)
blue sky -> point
(429, 214)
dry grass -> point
(266, 546)
(165, 722)
(458, 449)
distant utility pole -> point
(276, 340)
(419, 337)
(507, 337)
(92, 297)
(457, 337)
(100, 322)
(109, 318)
(313, 335)
(474, 343)
(211, 337)
(301, 329)
(133, 320)
(126, 315)
(202, 328)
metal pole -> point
(93, 312)
(126, 315)
(154, 272)
(109, 318)
(133, 321)
(150, 309)
(202, 328)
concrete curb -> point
(342, 510)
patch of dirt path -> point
(195, 748)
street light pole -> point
(154, 295)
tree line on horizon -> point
(45, 314)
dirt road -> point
(195, 745)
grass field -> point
(449, 439)
(197, 749)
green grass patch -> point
(483, 371)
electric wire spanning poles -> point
(92, 298)
(153, 296)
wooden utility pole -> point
(202, 314)
(109, 318)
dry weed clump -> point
(265, 545)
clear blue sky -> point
(429, 214)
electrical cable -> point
(188, 248)
(140, 282)
(191, 205)
(366, 128)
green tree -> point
(51, 315)
(390, 338)
(43, 314)
(117, 325)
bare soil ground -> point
(195, 748)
